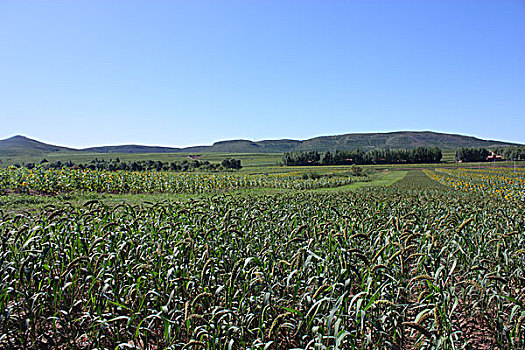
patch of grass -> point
(416, 179)
(378, 179)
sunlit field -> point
(262, 175)
(500, 182)
(64, 180)
(434, 261)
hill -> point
(130, 149)
(246, 146)
(396, 140)
(23, 146)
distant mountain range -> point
(24, 146)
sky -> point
(181, 73)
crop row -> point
(54, 181)
(373, 269)
(499, 182)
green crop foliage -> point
(405, 267)
(499, 182)
(42, 181)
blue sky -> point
(180, 73)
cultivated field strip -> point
(387, 268)
(40, 181)
(500, 182)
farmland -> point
(495, 181)
(55, 181)
(432, 261)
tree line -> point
(480, 154)
(141, 165)
(376, 156)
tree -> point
(466, 154)
(230, 163)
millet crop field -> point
(434, 261)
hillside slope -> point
(23, 146)
(131, 149)
(246, 146)
(396, 140)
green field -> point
(269, 257)
(248, 160)
(253, 163)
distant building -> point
(494, 157)
(194, 156)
